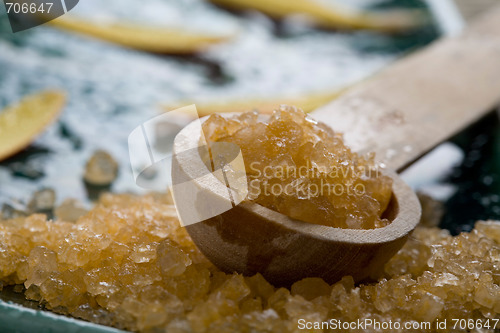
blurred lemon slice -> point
(22, 122)
(331, 16)
(307, 103)
(150, 39)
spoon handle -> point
(423, 99)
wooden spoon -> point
(400, 114)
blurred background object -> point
(166, 27)
(149, 39)
(471, 9)
(336, 14)
(111, 90)
(23, 121)
(306, 102)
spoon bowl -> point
(248, 238)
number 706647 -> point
(25, 8)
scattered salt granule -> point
(128, 263)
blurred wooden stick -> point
(335, 16)
(472, 8)
(155, 39)
(307, 102)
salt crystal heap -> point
(129, 264)
(302, 168)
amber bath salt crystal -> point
(303, 169)
(129, 264)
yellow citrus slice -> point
(331, 16)
(145, 38)
(306, 103)
(22, 122)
